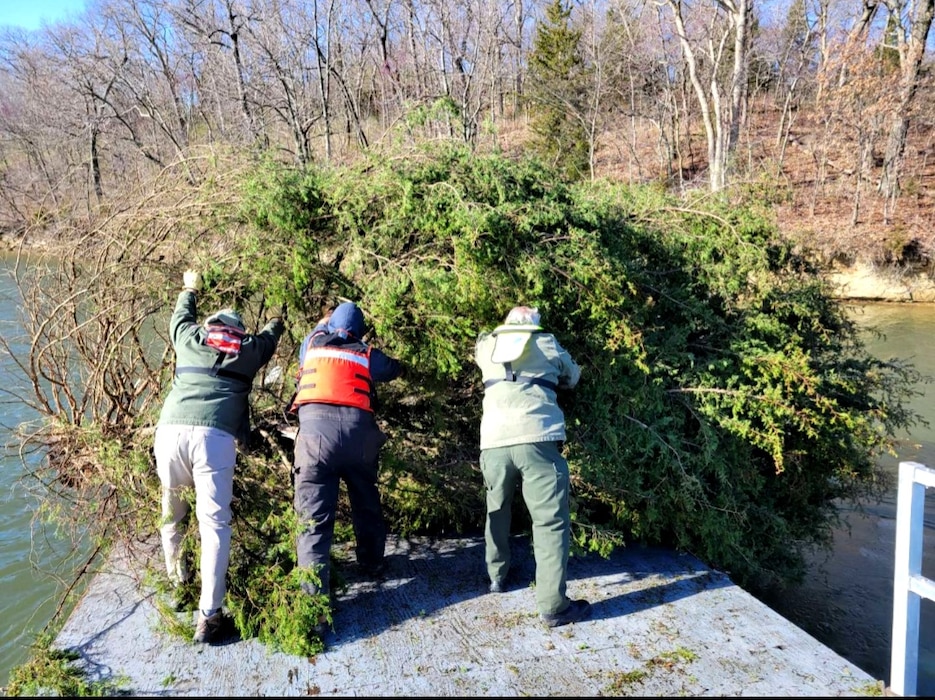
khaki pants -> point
(542, 473)
(200, 458)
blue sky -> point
(29, 14)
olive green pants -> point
(542, 473)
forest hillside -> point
(818, 200)
(825, 108)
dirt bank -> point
(877, 283)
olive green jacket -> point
(199, 396)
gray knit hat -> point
(225, 317)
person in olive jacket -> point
(202, 419)
(521, 436)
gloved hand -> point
(192, 280)
(281, 315)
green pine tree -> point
(557, 94)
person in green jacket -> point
(522, 432)
(202, 419)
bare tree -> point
(796, 60)
(352, 66)
(386, 23)
(87, 58)
(138, 85)
(853, 109)
(711, 37)
(913, 21)
(635, 95)
(159, 77)
(601, 51)
(468, 41)
(288, 57)
(516, 43)
(324, 37)
(36, 143)
(220, 23)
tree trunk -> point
(95, 163)
(911, 52)
(721, 121)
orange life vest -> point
(335, 375)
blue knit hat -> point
(346, 319)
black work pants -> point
(334, 444)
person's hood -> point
(347, 318)
(225, 317)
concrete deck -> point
(663, 624)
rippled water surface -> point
(28, 556)
(847, 601)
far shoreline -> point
(858, 282)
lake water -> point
(846, 603)
(31, 559)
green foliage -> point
(439, 110)
(288, 615)
(54, 672)
(264, 583)
(727, 404)
(726, 401)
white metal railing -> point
(909, 585)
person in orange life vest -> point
(339, 439)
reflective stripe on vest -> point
(337, 376)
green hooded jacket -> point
(522, 367)
(201, 396)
